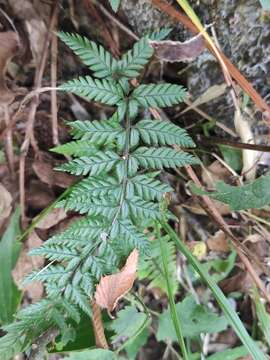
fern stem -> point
(100, 337)
(174, 316)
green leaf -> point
(265, 4)
(159, 95)
(135, 59)
(95, 354)
(229, 312)
(162, 157)
(230, 354)
(95, 56)
(129, 322)
(115, 4)
(151, 270)
(196, 319)
(76, 148)
(93, 165)
(103, 91)
(98, 132)
(158, 132)
(135, 345)
(143, 209)
(232, 157)
(158, 35)
(254, 195)
(148, 188)
(263, 316)
(10, 296)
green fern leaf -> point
(135, 59)
(161, 95)
(98, 132)
(163, 157)
(115, 4)
(149, 188)
(135, 238)
(154, 132)
(150, 269)
(103, 91)
(56, 252)
(143, 209)
(159, 34)
(93, 206)
(95, 186)
(95, 56)
(76, 148)
(93, 165)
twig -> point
(29, 137)
(9, 141)
(54, 52)
(100, 338)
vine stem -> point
(175, 318)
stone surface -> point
(243, 32)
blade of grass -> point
(231, 315)
(174, 316)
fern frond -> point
(103, 91)
(76, 148)
(93, 206)
(163, 133)
(150, 269)
(95, 56)
(148, 187)
(161, 95)
(163, 157)
(96, 186)
(115, 4)
(141, 209)
(56, 252)
(159, 34)
(135, 59)
(93, 165)
(98, 132)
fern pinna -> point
(120, 158)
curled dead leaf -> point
(26, 264)
(9, 45)
(112, 288)
(218, 242)
(176, 51)
(5, 204)
(53, 218)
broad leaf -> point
(10, 296)
(95, 354)
(129, 322)
(254, 195)
(230, 354)
(195, 319)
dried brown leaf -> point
(9, 45)
(218, 242)
(176, 51)
(26, 264)
(5, 204)
(52, 219)
(113, 287)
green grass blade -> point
(175, 318)
(231, 315)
